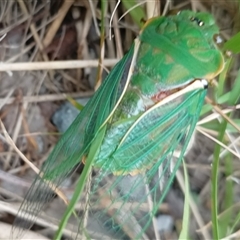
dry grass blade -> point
(57, 22)
(32, 66)
(132, 229)
(117, 33)
(43, 220)
(235, 235)
(46, 98)
(235, 207)
(153, 8)
(150, 204)
(219, 143)
(11, 142)
(33, 29)
(111, 19)
(216, 115)
(34, 168)
(219, 110)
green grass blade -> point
(215, 126)
(136, 13)
(222, 78)
(235, 223)
(225, 221)
(81, 183)
(235, 93)
(233, 44)
(215, 169)
(186, 212)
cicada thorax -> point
(144, 91)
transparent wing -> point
(73, 145)
(123, 206)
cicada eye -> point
(199, 22)
(192, 19)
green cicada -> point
(126, 135)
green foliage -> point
(186, 212)
(137, 13)
(233, 44)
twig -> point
(10, 141)
(30, 66)
(219, 110)
(218, 142)
(46, 97)
(57, 22)
(35, 169)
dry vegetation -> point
(36, 34)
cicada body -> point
(148, 107)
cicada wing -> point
(72, 146)
(124, 205)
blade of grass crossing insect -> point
(186, 211)
(222, 78)
(214, 192)
(235, 93)
(75, 103)
(81, 183)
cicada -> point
(145, 110)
